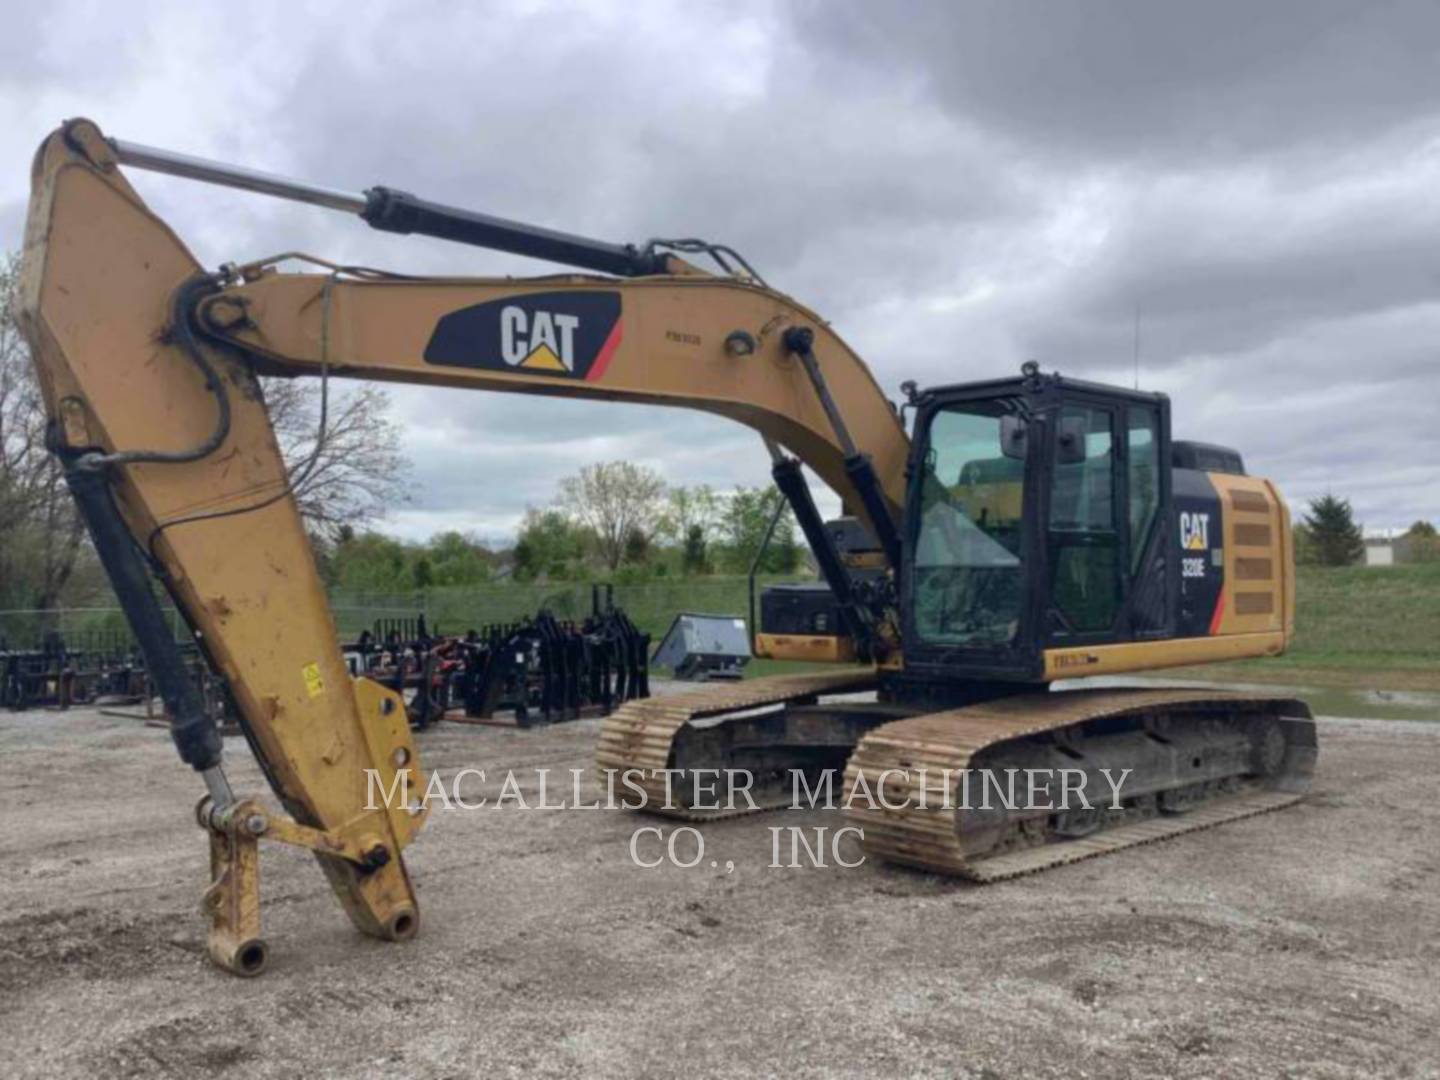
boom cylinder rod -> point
(390, 210)
(216, 172)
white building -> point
(1379, 551)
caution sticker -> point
(314, 684)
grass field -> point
(1367, 616)
(1373, 625)
(1354, 625)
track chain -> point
(929, 838)
(640, 734)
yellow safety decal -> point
(314, 684)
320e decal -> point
(565, 335)
(1202, 556)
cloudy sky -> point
(957, 186)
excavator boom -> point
(149, 366)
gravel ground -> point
(1299, 943)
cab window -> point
(1084, 537)
(1143, 465)
(967, 567)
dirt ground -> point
(1300, 943)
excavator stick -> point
(175, 465)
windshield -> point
(967, 571)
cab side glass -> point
(1143, 464)
(1084, 535)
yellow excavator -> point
(1028, 530)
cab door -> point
(1106, 575)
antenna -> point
(1136, 357)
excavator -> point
(998, 538)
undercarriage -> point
(985, 791)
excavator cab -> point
(1032, 524)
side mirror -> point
(1070, 441)
(1014, 437)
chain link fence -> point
(652, 606)
(104, 629)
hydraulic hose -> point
(182, 333)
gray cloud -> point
(1161, 83)
(958, 187)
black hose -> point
(182, 332)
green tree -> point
(746, 517)
(1422, 545)
(687, 509)
(549, 545)
(45, 554)
(637, 548)
(695, 558)
(1305, 553)
(372, 562)
(457, 559)
(611, 499)
(1338, 540)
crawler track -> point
(641, 735)
(895, 759)
(906, 763)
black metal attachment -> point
(754, 624)
(791, 482)
(543, 668)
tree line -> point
(1327, 535)
(621, 519)
(615, 521)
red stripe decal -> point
(597, 369)
(1219, 611)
